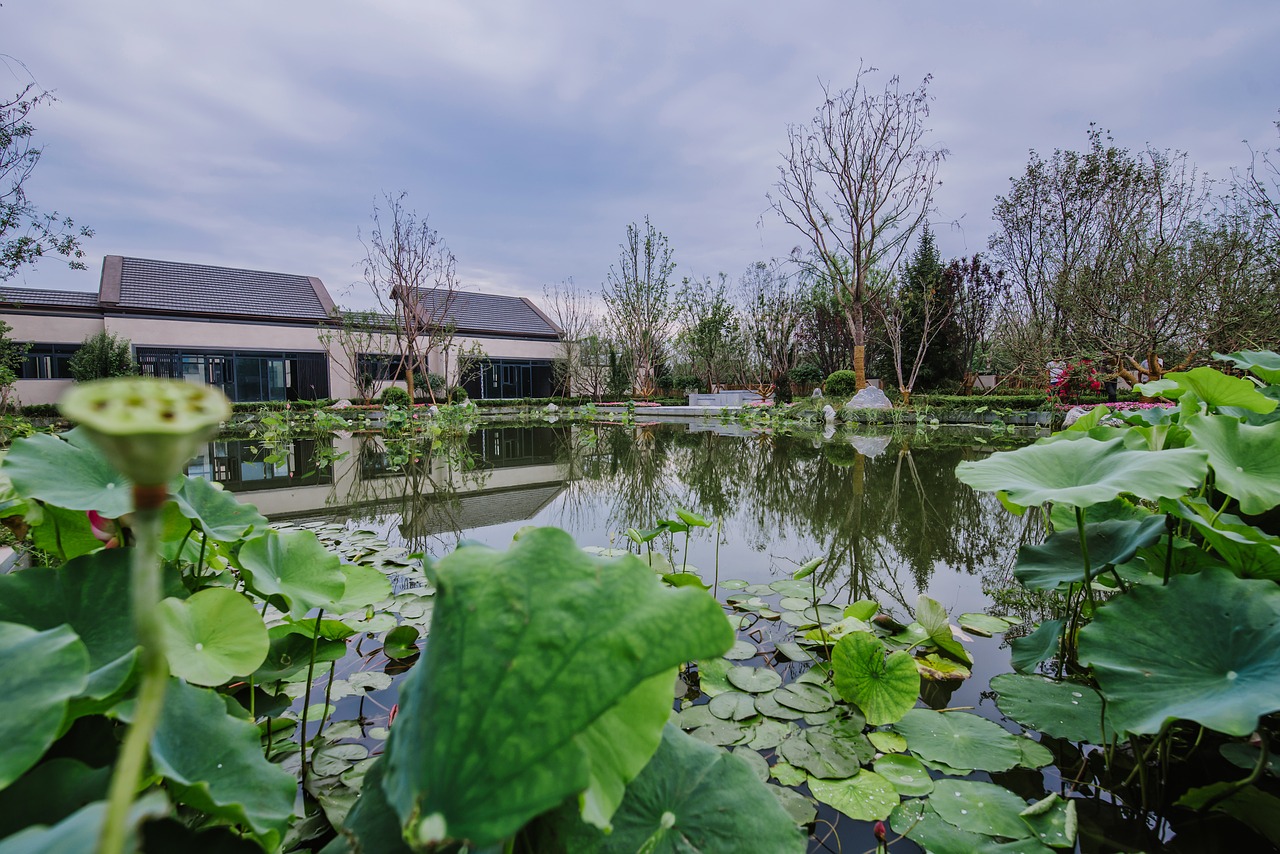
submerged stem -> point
(1084, 555)
(145, 594)
(306, 698)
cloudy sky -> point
(258, 134)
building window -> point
(244, 376)
(48, 362)
(381, 367)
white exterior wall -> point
(48, 329)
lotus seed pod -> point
(147, 428)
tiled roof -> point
(197, 289)
(61, 299)
(491, 313)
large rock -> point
(817, 392)
(870, 446)
(828, 413)
(869, 398)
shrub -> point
(805, 373)
(394, 395)
(101, 356)
(841, 384)
(458, 395)
(41, 410)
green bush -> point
(458, 395)
(394, 395)
(101, 356)
(841, 384)
(806, 373)
(41, 410)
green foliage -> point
(101, 356)
(393, 395)
(840, 384)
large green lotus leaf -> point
(1205, 648)
(69, 472)
(486, 737)
(1059, 561)
(218, 513)
(365, 586)
(91, 595)
(289, 651)
(931, 615)
(292, 568)
(1063, 516)
(823, 754)
(1245, 460)
(980, 808)
(919, 822)
(904, 773)
(1060, 709)
(1039, 646)
(1085, 472)
(41, 672)
(883, 687)
(212, 636)
(1217, 389)
(50, 792)
(1249, 552)
(214, 762)
(866, 797)
(959, 740)
(621, 742)
(1263, 364)
(82, 830)
(372, 826)
(65, 534)
(691, 797)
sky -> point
(259, 134)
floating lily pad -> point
(938, 669)
(719, 733)
(917, 820)
(1205, 648)
(905, 774)
(696, 716)
(400, 643)
(769, 734)
(787, 774)
(333, 759)
(733, 584)
(866, 797)
(1034, 754)
(1060, 709)
(795, 618)
(1052, 821)
(754, 680)
(733, 706)
(793, 603)
(741, 651)
(822, 754)
(959, 740)
(804, 697)
(800, 808)
(769, 707)
(835, 631)
(759, 766)
(887, 742)
(793, 650)
(884, 688)
(984, 624)
(713, 676)
(801, 589)
(819, 718)
(981, 808)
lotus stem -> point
(1084, 554)
(715, 584)
(1264, 755)
(306, 698)
(145, 594)
(1171, 526)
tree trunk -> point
(860, 364)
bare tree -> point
(1260, 187)
(413, 277)
(857, 181)
(925, 315)
(354, 341)
(977, 291)
(710, 328)
(637, 296)
(571, 310)
(773, 308)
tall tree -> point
(26, 233)
(976, 291)
(637, 297)
(356, 342)
(857, 182)
(413, 277)
(773, 308)
(570, 308)
(916, 314)
(710, 328)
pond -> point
(883, 510)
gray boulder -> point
(870, 446)
(828, 413)
(869, 398)
(817, 392)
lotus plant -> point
(148, 429)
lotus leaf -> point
(695, 716)
(771, 708)
(887, 742)
(754, 680)
(212, 636)
(455, 773)
(905, 773)
(866, 797)
(918, 821)
(720, 733)
(1039, 646)
(884, 688)
(863, 609)
(1215, 388)
(1059, 561)
(292, 569)
(81, 831)
(91, 595)
(793, 650)
(741, 651)
(933, 617)
(1263, 364)
(331, 760)
(935, 668)
(620, 743)
(50, 792)
(1060, 709)
(42, 672)
(1085, 472)
(288, 652)
(1034, 754)
(1052, 821)
(800, 808)
(822, 754)
(959, 740)
(1244, 459)
(787, 774)
(801, 589)
(222, 772)
(835, 631)
(804, 697)
(981, 808)
(218, 513)
(985, 625)
(733, 706)
(759, 766)
(363, 586)
(68, 471)
(1205, 648)
(1247, 550)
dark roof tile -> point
(489, 313)
(197, 289)
(61, 299)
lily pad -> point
(1053, 823)
(1244, 460)
(959, 740)
(887, 742)
(1204, 648)
(42, 672)
(821, 754)
(788, 774)
(985, 625)
(759, 766)
(884, 688)
(866, 797)
(793, 650)
(771, 708)
(400, 643)
(800, 808)
(754, 680)
(1034, 754)
(713, 676)
(741, 651)
(804, 697)
(769, 734)
(1061, 709)
(1059, 561)
(906, 774)
(917, 820)
(935, 668)
(292, 569)
(1085, 472)
(212, 636)
(1041, 645)
(733, 706)
(981, 808)
(454, 774)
